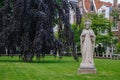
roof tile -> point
(98, 4)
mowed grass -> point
(51, 69)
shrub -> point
(118, 48)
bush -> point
(118, 48)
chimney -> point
(115, 4)
(80, 5)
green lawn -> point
(51, 69)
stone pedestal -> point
(87, 69)
(87, 49)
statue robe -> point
(87, 47)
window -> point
(115, 28)
(115, 37)
(103, 12)
(104, 32)
(92, 7)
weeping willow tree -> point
(28, 25)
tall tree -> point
(28, 24)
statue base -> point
(87, 69)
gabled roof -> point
(97, 4)
(87, 4)
(101, 3)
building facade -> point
(96, 6)
(116, 28)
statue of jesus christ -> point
(87, 45)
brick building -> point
(116, 29)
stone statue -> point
(87, 49)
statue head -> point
(88, 24)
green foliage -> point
(115, 13)
(77, 30)
(99, 23)
(50, 69)
(59, 1)
(118, 48)
(56, 34)
(106, 39)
